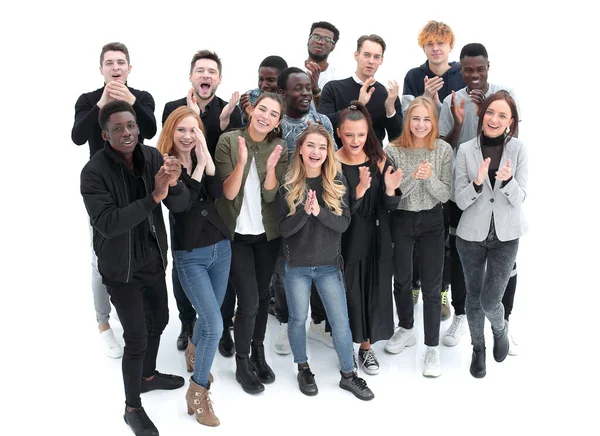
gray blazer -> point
(504, 203)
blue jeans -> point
(330, 285)
(204, 273)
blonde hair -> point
(295, 179)
(406, 139)
(165, 141)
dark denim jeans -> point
(204, 273)
(487, 266)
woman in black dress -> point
(366, 245)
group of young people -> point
(288, 192)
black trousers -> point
(252, 263)
(425, 230)
(457, 275)
(144, 314)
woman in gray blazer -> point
(490, 187)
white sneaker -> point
(513, 348)
(432, 366)
(317, 332)
(402, 338)
(282, 343)
(110, 345)
(456, 330)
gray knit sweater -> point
(418, 195)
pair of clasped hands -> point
(503, 174)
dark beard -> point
(317, 57)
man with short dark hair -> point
(115, 67)
(123, 186)
(268, 70)
(321, 42)
(383, 104)
(217, 116)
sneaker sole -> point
(396, 349)
(370, 371)
(354, 393)
(283, 352)
(432, 374)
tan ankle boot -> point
(199, 403)
(190, 359)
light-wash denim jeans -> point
(204, 273)
(329, 281)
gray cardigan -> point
(504, 203)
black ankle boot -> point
(263, 370)
(501, 346)
(226, 345)
(478, 362)
(245, 375)
(187, 330)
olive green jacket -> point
(226, 158)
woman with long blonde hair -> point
(201, 250)
(418, 221)
(313, 214)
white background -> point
(56, 377)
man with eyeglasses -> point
(321, 42)
(382, 102)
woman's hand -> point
(364, 184)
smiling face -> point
(183, 138)
(497, 118)
(266, 116)
(205, 78)
(115, 66)
(474, 70)
(267, 79)
(354, 135)
(298, 95)
(121, 132)
(314, 152)
(420, 122)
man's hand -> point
(314, 71)
(365, 93)
(432, 86)
(118, 91)
(228, 109)
(192, 102)
(161, 185)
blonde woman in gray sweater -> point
(426, 162)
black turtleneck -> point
(492, 148)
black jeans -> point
(144, 314)
(252, 263)
(187, 314)
(282, 313)
(425, 229)
(487, 266)
(457, 276)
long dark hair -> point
(356, 112)
(501, 95)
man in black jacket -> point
(115, 67)
(122, 188)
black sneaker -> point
(139, 422)
(306, 382)
(166, 382)
(357, 386)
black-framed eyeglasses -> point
(325, 39)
